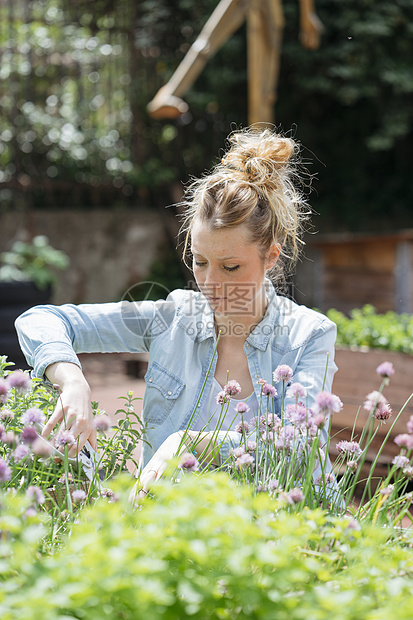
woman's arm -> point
(204, 444)
(73, 409)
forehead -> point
(221, 241)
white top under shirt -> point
(213, 416)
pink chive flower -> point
(62, 479)
(400, 461)
(4, 391)
(237, 452)
(372, 400)
(65, 438)
(19, 380)
(273, 484)
(189, 462)
(242, 408)
(410, 425)
(242, 427)
(33, 416)
(5, 471)
(295, 496)
(29, 435)
(297, 414)
(387, 490)
(404, 441)
(20, 453)
(382, 412)
(319, 420)
(326, 403)
(232, 388)
(251, 446)
(9, 438)
(36, 494)
(244, 460)
(222, 398)
(282, 373)
(42, 448)
(6, 415)
(269, 390)
(386, 370)
(408, 472)
(352, 465)
(78, 496)
(328, 478)
(296, 390)
(349, 449)
(102, 423)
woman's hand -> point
(73, 410)
(175, 444)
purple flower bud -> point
(327, 403)
(295, 496)
(222, 398)
(296, 390)
(5, 471)
(372, 400)
(349, 449)
(387, 490)
(242, 408)
(400, 461)
(189, 462)
(269, 390)
(282, 373)
(42, 448)
(102, 423)
(386, 369)
(65, 438)
(382, 412)
(244, 460)
(6, 415)
(273, 484)
(237, 452)
(404, 441)
(29, 435)
(9, 438)
(242, 427)
(33, 416)
(408, 472)
(78, 496)
(251, 446)
(20, 453)
(232, 388)
(36, 494)
(4, 391)
(19, 380)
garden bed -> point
(355, 378)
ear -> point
(272, 255)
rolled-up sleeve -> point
(49, 334)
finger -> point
(93, 439)
(54, 419)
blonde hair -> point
(255, 184)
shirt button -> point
(247, 345)
(199, 405)
(169, 393)
(150, 379)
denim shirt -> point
(179, 335)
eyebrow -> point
(223, 258)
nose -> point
(212, 282)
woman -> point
(242, 223)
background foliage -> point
(76, 77)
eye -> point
(231, 268)
(198, 263)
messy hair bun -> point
(255, 184)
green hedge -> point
(366, 328)
(205, 548)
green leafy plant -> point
(366, 328)
(33, 261)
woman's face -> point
(228, 269)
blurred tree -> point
(76, 76)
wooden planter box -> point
(356, 377)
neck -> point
(241, 325)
